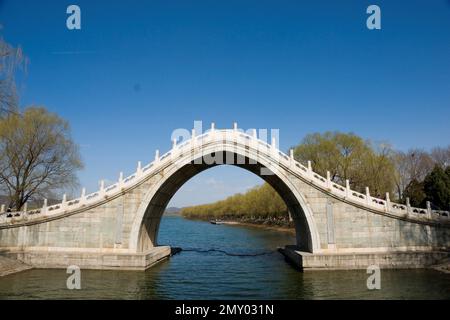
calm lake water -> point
(215, 275)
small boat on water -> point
(216, 221)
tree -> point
(441, 156)
(259, 202)
(10, 59)
(416, 194)
(336, 152)
(348, 156)
(414, 164)
(37, 155)
(378, 170)
(437, 187)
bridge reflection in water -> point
(192, 275)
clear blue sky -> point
(138, 70)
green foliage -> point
(348, 156)
(416, 193)
(259, 202)
(339, 153)
(437, 187)
(377, 171)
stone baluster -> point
(83, 195)
(291, 154)
(388, 202)
(328, 180)
(368, 197)
(2, 208)
(64, 201)
(44, 207)
(310, 171)
(235, 132)
(429, 209)
(120, 180)
(25, 209)
(347, 188)
(408, 206)
(102, 188)
(157, 156)
(213, 130)
(139, 169)
(174, 144)
(274, 143)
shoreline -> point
(258, 224)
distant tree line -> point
(261, 202)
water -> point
(214, 275)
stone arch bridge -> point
(116, 227)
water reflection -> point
(214, 275)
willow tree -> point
(349, 157)
(378, 171)
(340, 153)
(259, 202)
(37, 156)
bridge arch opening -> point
(144, 233)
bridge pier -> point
(95, 259)
(306, 261)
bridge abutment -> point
(395, 259)
(61, 258)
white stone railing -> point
(240, 138)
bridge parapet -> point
(238, 138)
